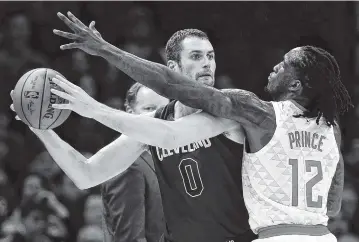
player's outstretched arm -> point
(145, 128)
(239, 105)
(169, 134)
(110, 161)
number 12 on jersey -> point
(309, 164)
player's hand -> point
(36, 131)
(85, 38)
(12, 105)
(79, 101)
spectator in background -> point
(352, 157)
(74, 199)
(90, 233)
(8, 199)
(17, 56)
(11, 142)
(224, 82)
(132, 201)
(348, 238)
(93, 210)
(350, 207)
(56, 229)
(81, 67)
(45, 165)
(33, 221)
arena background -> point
(249, 38)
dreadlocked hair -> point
(320, 75)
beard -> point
(276, 92)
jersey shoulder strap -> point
(163, 112)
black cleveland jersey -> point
(201, 188)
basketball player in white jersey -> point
(293, 168)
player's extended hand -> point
(85, 38)
(79, 101)
(12, 105)
(36, 131)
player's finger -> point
(92, 25)
(68, 22)
(76, 20)
(63, 95)
(12, 107)
(70, 46)
(12, 95)
(67, 88)
(17, 117)
(93, 29)
(62, 106)
(66, 34)
(67, 82)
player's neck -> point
(182, 110)
(302, 101)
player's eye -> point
(149, 108)
(196, 56)
(211, 56)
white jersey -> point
(288, 180)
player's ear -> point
(129, 109)
(172, 65)
(295, 86)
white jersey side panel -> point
(288, 180)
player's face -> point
(279, 80)
(19, 28)
(197, 60)
(35, 222)
(148, 101)
(32, 185)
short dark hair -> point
(131, 95)
(173, 46)
(320, 74)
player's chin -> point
(206, 80)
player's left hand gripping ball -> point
(79, 101)
(86, 38)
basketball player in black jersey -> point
(199, 177)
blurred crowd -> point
(38, 202)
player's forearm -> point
(69, 160)
(142, 128)
(166, 82)
(150, 74)
(85, 173)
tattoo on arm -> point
(236, 104)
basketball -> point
(33, 99)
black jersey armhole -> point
(162, 113)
